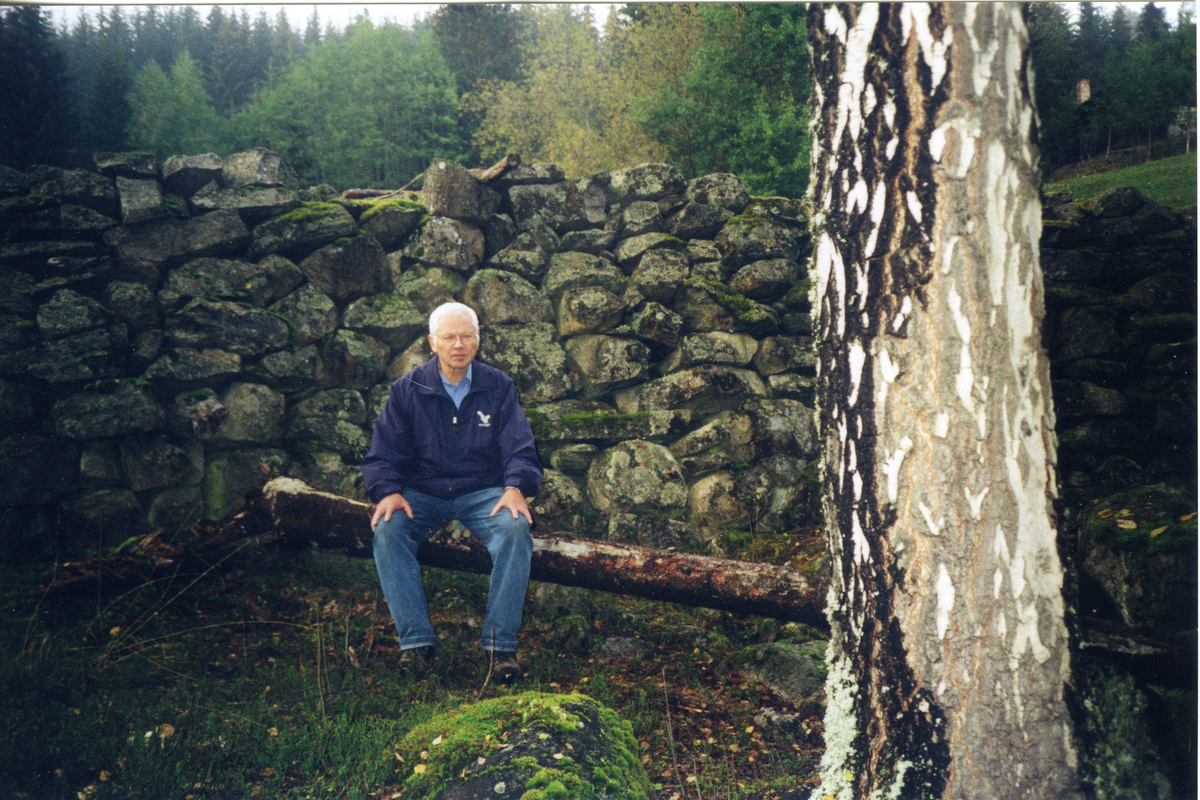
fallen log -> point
(290, 514)
(305, 517)
(497, 170)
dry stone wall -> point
(174, 335)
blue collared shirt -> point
(457, 391)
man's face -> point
(455, 343)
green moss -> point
(610, 422)
(307, 212)
(1060, 224)
(799, 296)
(392, 203)
(1164, 354)
(742, 307)
(556, 784)
(466, 734)
(1167, 323)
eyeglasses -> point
(465, 338)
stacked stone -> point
(1121, 330)
(175, 335)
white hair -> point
(446, 309)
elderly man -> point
(452, 443)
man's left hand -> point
(514, 501)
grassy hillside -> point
(1170, 181)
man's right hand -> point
(388, 506)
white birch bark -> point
(949, 657)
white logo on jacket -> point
(485, 420)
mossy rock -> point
(531, 746)
(1137, 556)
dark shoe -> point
(505, 668)
(418, 660)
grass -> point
(1170, 181)
(278, 679)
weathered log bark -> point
(292, 515)
(304, 517)
(497, 170)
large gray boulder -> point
(260, 167)
(354, 360)
(659, 274)
(447, 243)
(230, 475)
(706, 389)
(183, 369)
(349, 269)
(68, 312)
(224, 325)
(254, 416)
(391, 318)
(1137, 555)
(502, 298)
(566, 206)
(722, 189)
(61, 222)
(577, 270)
(766, 280)
(525, 255)
(429, 288)
(451, 191)
(749, 238)
(392, 221)
(133, 304)
(186, 175)
(330, 421)
(155, 460)
(299, 232)
(120, 409)
(644, 182)
(82, 188)
(253, 204)
(708, 305)
(290, 370)
(590, 421)
(529, 354)
(589, 309)
(231, 279)
(637, 476)
(309, 312)
(716, 347)
(605, 363)
(141, 200)
(724, 440)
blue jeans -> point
(507, 539)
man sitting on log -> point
(452, 443)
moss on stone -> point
(306, 212)
(1060, 224)
(799, 296)
(379, 206)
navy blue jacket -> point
(422, 442)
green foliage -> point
(1141, 81)
(35, 120)
(172, 115)
(571, 105)
(1170, 181)
(370, 109)
(742, 106)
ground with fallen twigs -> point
(276, 676)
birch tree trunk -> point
(949, 655)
